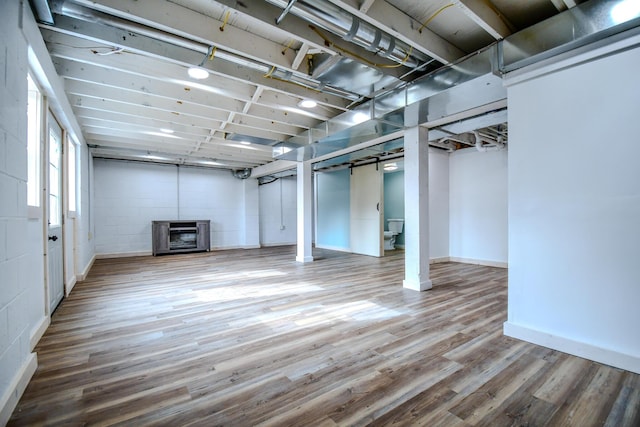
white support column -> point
(416, 205)
(304, 192)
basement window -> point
(34, 135)
(72, 162)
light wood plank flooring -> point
(250, 337)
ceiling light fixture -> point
(198, 73)
(625, 11)
(166, 130)
(390, 167)
(360, 117)
(307, 103)
(245, 143)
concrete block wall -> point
(130, 195)
(278, 209)
(16, 360)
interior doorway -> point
(367, 207)
(53, 202)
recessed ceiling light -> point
(307, 103)
(166, 130)
(360, 117)
(198, 73)
(625, 11)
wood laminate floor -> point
(250, 337)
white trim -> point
(488, 263)
(83, 276)
(438, 260)
(68, 287)
(334, 248)
(122, 254)
(267, 245)
(34, 212)
(16, 388)
(38, 331)
(224, 248)
(576, 348)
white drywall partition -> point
(478, 207)
(574, 206)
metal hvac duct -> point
(330, 17)
(477, 77)
(76, 11)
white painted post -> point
(416, 203)
(304, 192)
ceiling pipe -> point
(350, 28)
(484, 144)
(586, 23)
(76, 11)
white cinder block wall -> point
(278, 212)
(130, 195)
(16, 302)
(478, 229)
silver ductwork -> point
(474, 81)
(350, 28)
(72, 10)
(241, 173)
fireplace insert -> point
(180, 236)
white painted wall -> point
(277, 210)
(333, 218)
(439, 186)
(574, 206)
(478, 227)
(84, 223)
(130, 195)
(333, 206)
(19, 290)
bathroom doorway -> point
(393, 188)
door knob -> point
(54, 238)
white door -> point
(366, 211)
(55, 260)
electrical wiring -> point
(432, 17)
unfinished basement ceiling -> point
(124, 66)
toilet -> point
(395, 228)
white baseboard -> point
(333, 248)
(68, 286)
(270, 245)
(83, 275)
(487, 263)
(17, 386)
(38, 331)
(577, 348)
(226, 248)
(123, 254)
(439, 260)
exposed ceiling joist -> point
(143, 45)
(487, 17)
(391, 20)
(175, 19)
